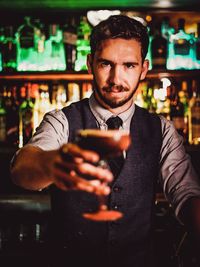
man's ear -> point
(145, 68)
(89, 63)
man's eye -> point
(129, 65)
(105, 64)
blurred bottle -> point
(2, 37)
(184, 97)
(12, 117)
(40, 38)
(83, 44)
(26, 58)
(177, 112)
(61, 96)
(197, 47)
(161, 98)
(166, 29)
(9, 50)
(158, 49)
(42, 103)
(26, 122)
(70, 41)
(181, 49)
(194, 118)
(57, 57)
(2, 120)
(151, 101)
(86, 89)
(138, 96)
(149, 57)
(73, 93)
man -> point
(117, 61)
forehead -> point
(119, 48)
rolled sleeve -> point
(53, 131)
(178, 177)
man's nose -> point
(115, 75)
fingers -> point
(72, 151)
(75, 169)
(72, 181)
(86, 170)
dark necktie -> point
(116, 163)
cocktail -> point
(108, 144)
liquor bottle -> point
(57, 57)
(194, 118)
(26, 118)
(26, 57)
(12, 117)
(44, 104)
(2, 120)
(177, 113)
(197, 47)
(2, 37)
(39, 36)
(138, 96)
(181, 49)
(39, 50)
(150, 100)
(70, 41)
(162, 102)
(86, 89)
(166, 29)
(83, 46)
(158, 49)
(9, 50)
(149, 57)
(73, 93)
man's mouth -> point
(115, 89)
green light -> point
(181, 53)
(52, 58)
(83, 49)
(0, 62)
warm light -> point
(166, 82)
(94, 17)
(165, 4)
(148, 18)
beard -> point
(112, 102)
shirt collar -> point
(102, 114)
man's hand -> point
(73, 164)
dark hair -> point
(119, 26)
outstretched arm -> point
(35, 169)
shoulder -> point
(166, 125)
(76, 106)
(55, 115)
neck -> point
(116, 110)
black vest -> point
(125, 242)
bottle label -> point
(69, 38)
(2, 129)
(181, 47)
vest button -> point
(115, 206)
(117, 189)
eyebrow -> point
(111, 62)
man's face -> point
(117, 68)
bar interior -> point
(41, 70)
